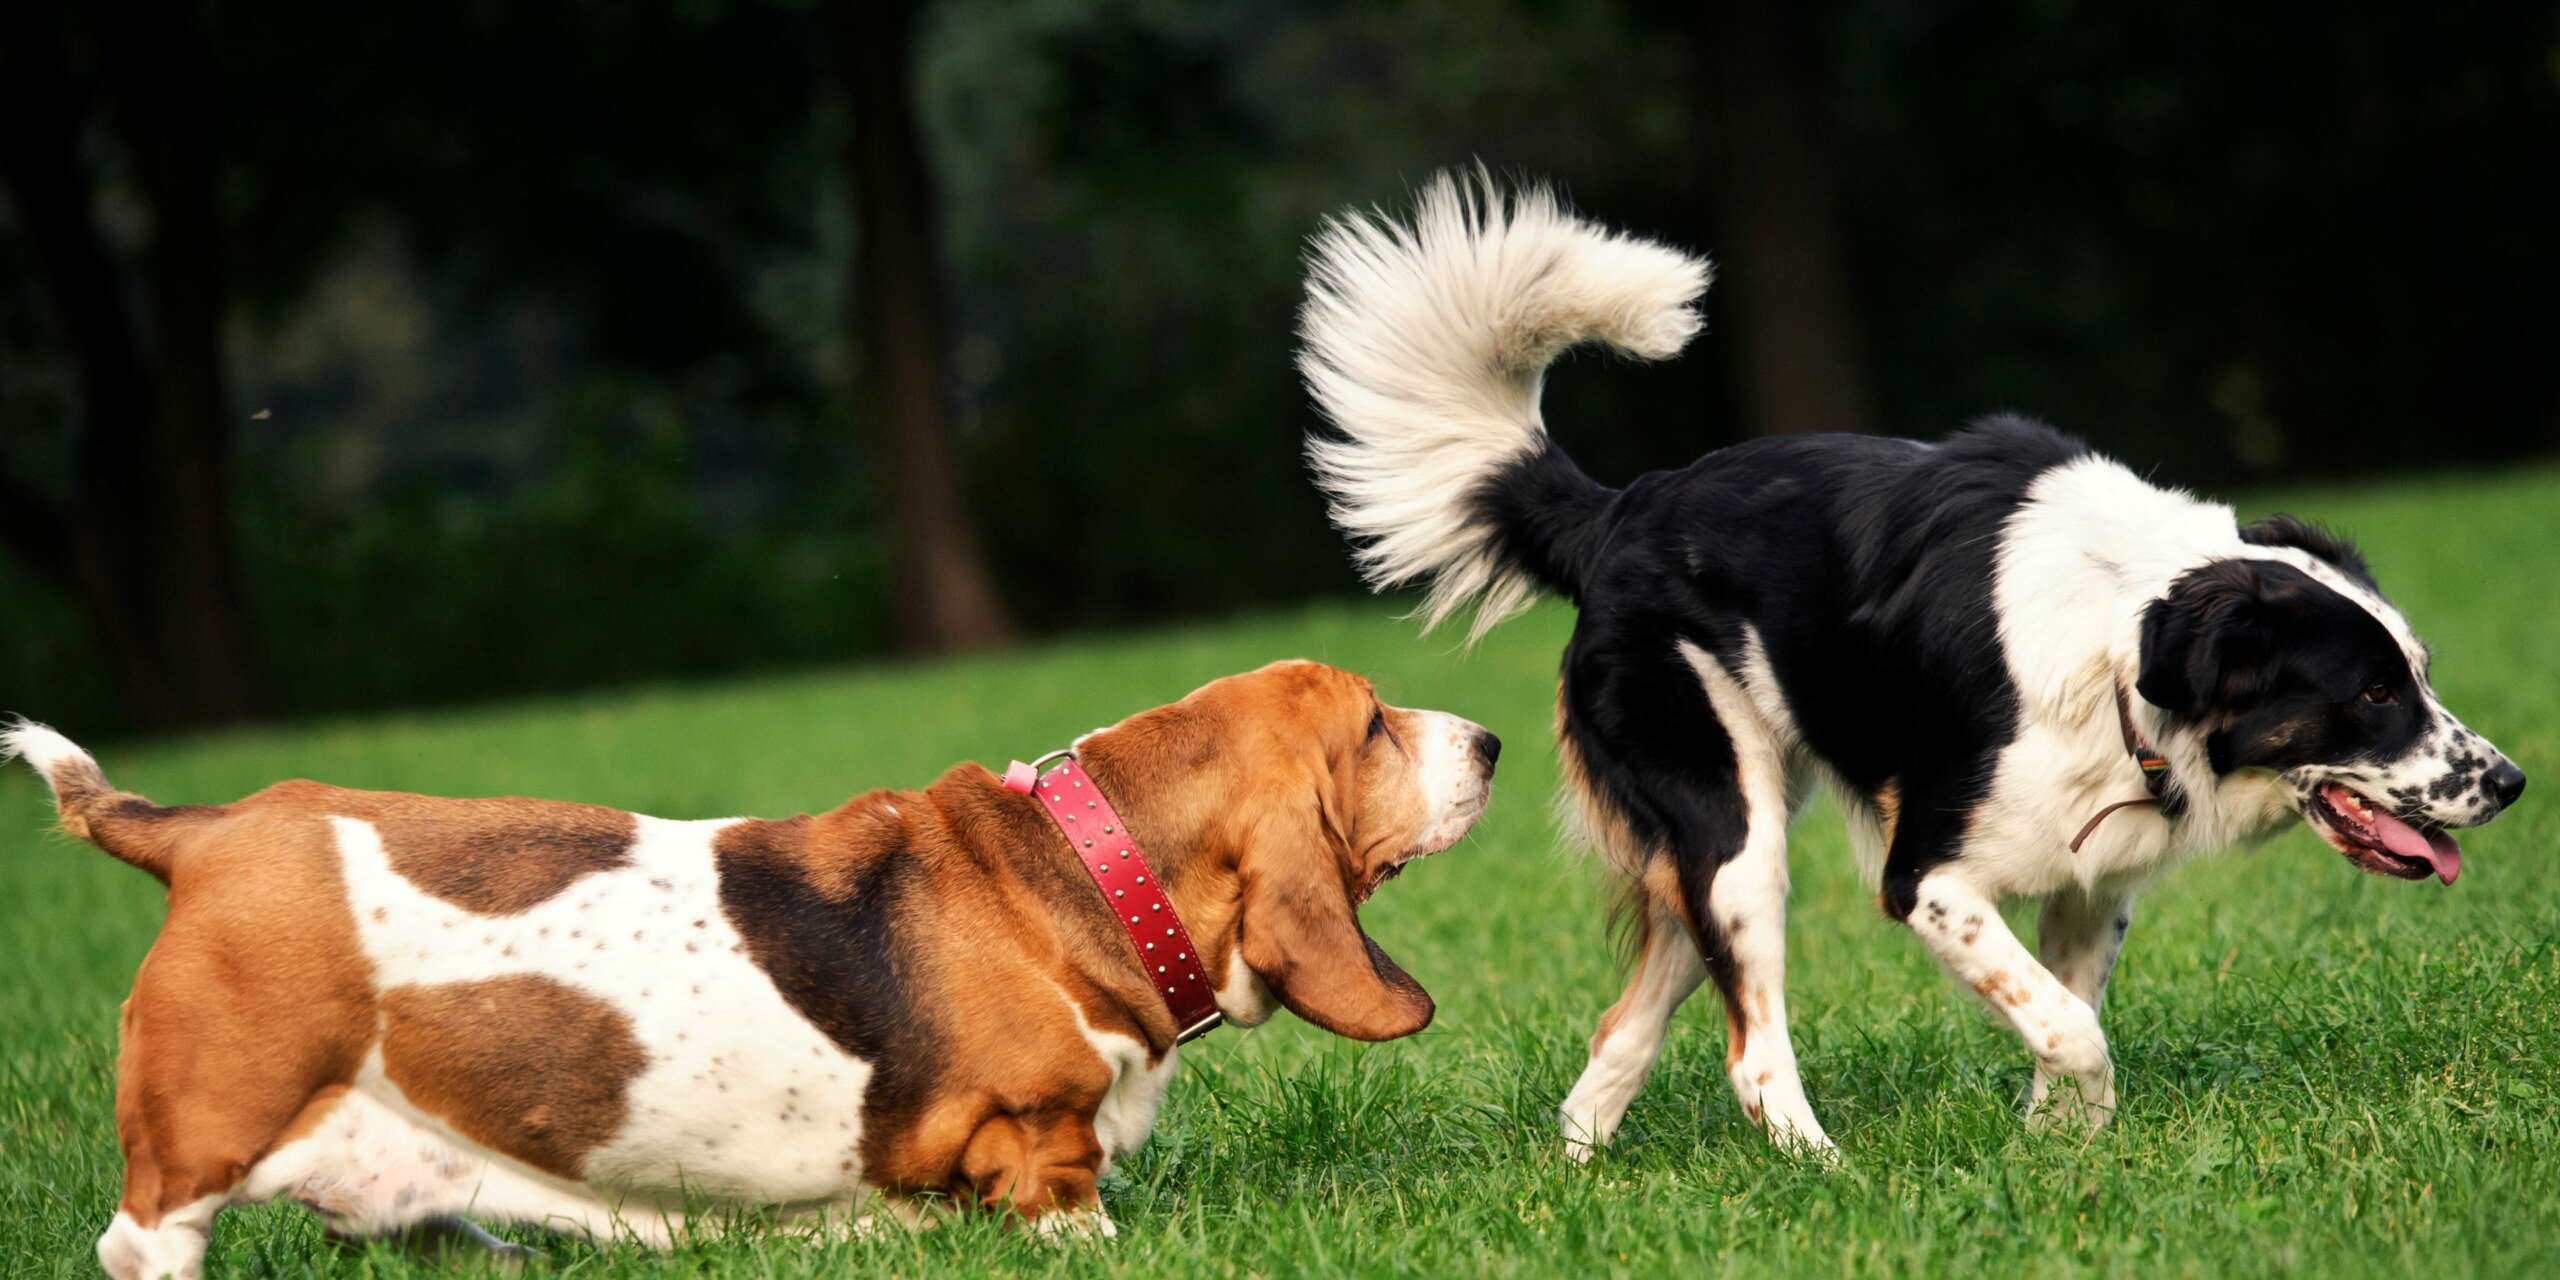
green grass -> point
(2322, 1072)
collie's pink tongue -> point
(2437, 848)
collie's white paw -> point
(2083, 1108)
(1076, 1224)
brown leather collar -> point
(2155, 773)
(1131, 888)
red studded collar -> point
(1131, 888)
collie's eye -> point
(2380, 695)
(1377, 722)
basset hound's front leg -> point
(1045, 1166)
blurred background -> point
(383, 355)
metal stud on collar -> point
(1194, 1007)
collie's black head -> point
(2294, 665)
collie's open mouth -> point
(2379, 841)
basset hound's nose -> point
(2504, 783)
(1488, 747)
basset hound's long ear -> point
(1299, 934)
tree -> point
(145, 539)
(1760, 82)
(947, 598)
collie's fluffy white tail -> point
(1426, 343)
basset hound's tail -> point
(1426, 342)
(131, 828)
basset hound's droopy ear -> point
(1299, 934)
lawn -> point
(2322, 1072)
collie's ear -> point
(1300, 935)
(2209, 644)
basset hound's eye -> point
(1377, 722)
(2380, 695)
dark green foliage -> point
(480, 250)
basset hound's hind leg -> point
(205, 1088)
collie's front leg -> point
(1963, 929)
(2078, 935)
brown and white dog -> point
(397, 1009)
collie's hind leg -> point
(1693, 799)
(1748, 899)
(1746, 906)
(1668, 968)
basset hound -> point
(401, 1009)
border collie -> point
(2025, 671)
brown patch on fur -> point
(842, 911)
(1646, 930)
(1660, 885)
(1650, 881)
(1643, 930)
(1972, 930)
(2053, 1041)
(1764, 1077)
(1888, 802)
(1741, 1013)
(521, 1064)
(1609, 1021)
(1600, 821)
(493, 856)
(1989, 987)
(498, 857)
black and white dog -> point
(2025, 671)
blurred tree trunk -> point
(946, 597)
(146, 542)
(1759, 92)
